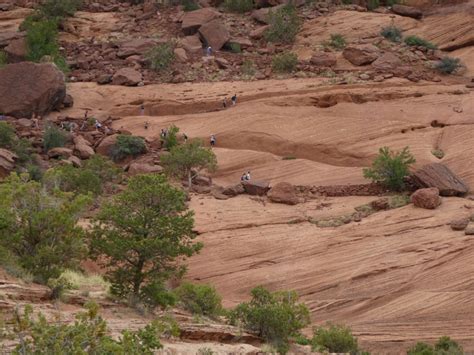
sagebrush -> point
(284, 25)
(285, 62)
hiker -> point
(142, 110)
(234, 99)
(86, 115)
(146, 125)
(224, 103)
(163, 133)
(185, 137)
(242, 178)
(2, 117)
(209, 51)
(247, 176)
(213, 140)
(98, 125)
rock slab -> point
(256, 188)
(283, 192)
(440, 176)
(362, 54)
(426, 198)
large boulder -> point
(27, 88)
(193, 20)
(106, 145)
(59, 152)
(82, 147)
(127, 77)
(426, 198)
(261, 15)
(440, 176)
(407, 11)
(7, 162)
(214, 34)
(137, 46)
(361, 54)
(136, 168)
(324, 59)
(459, 224)
(387, 62)
(16, 50)
(257, 188)
(233, 190)
(192, 44)
(283, 192)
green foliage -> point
(3, 59)
(59, 9)
(421, 348)
(189, 5)
(161, 56)
(186, 158)
(289, 157)
(372, 4)
(285, 62)
(200, 299)
(248, 67)
(398, 201)
(7, 135)
(334, 339)
(104, 168)
(419, 42)
(444, 346)
(274, 316)
(171, 139)
(390, 168)
(70, 179)
(238, 5)
(205, 351)
(53, 137)
(140, 235)
(392, 33)
(40, 229)
(88, 335)
(300, 339)
(127, 146)
(448, 65)
(438, 153)
(337, 41)
(284, 25)
(235, 47)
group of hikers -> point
(233, 99)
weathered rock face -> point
(407, 11)
(136, 46)
(283, 192)
(127, 77)
(192, 44)
(362, 54)
(181, 55)
(426, 198)
(459, 224)
(59, 152)
(214, 34)
(261, 15)
(440, 176)
(27, 88)
(233, 190)
(144, 168)
(193, 20)
(258, 32)
(82, 148)
(324, 59)
(7, 162)
(257, 188)
(387, 62)
(380, 204)
(16, 50)
(106, 145)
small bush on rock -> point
(274, 316)
(248, 68)
(444, 346)
(285, 62)
(200, 299)
(7, 135)
(3, 59)
(372, 4)
(238, 5)
(284, 25)
(70, 179)
(161, 56)
(392, 33)
(189, 5)
(171, 139)
(334, 339)
(127, 146)
(448, 65)
(59, 9)
(336, 41)
(390, 168)
(419, 42)
(53, 137)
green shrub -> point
(53, 137)
(398, 201)
(7, 135)
(3, 59)
(161, 56)
(139, 237)
(300, 339)
(87, 335)
(189, 5)
(390, 168)
(235, 47)
(448, 65)
(334, 339)
(104, 168)
(274, 316)
(248, 67)
(284, 25)
(200, 299)
(289, 157)
(285, 62)
(372, 4)
(421, 348)
(419, 42)
(70, 179)
(438, 153)
(337, 41)
(127, 146)
(59, 9)
(238, 5)
(34, 171)
(171, 139)
(22, 148)
(40, 229)
(446, 346)
(392, 33)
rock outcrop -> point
(407, 11)
(137, 46)
(16, 50)
(214, 34)
(136, 168)
(324, 59)
(426, 198)
(283, 192)
(459, 224)
(82, 148)
(27, 88)
(7, 162)
(127, 77)
(256, 188)
(440, 176)
(362, 54)
(193, 20)
(106, 145)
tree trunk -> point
(190, 180)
